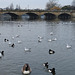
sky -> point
(31, 4)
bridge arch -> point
(13, 15)
(64, 16)
(49, 16)
(32, 16)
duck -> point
(68, 46)
(51, 33)
(19, 42)
(9, 43)
(6, 40)
(46, 65)
(54, 39)
(52, 71)
(51, 51)
(17, 36)
(13, 45)
(39, 40)
(26, 69)
(13, 37)
(27, 49)
(40, 37)
(1, 53)
(49, 40)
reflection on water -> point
(25, 17)
(5, 17)
(62, 60)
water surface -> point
(14, 58)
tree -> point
(67, 7)
(51, 4)
(7, 8)
(17, 7)
(55, 8)
(11, 6)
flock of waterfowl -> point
(26, 68)
(46, 65)
(49, 70)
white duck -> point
(13, 37)
(17, 36)
(19, 42)
(51, 33)
(27, 49)
(49, 40)
(68, 46)
(40, 37)
(54, 39)
(39, 40)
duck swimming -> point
(27, 49)
(46, 64)
(13, 45)
(1, 53)
(52, 71)
(68, 46)
(26, 69)
(51, 51)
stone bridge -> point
(38, 14)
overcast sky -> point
(32, 4)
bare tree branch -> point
(51, 4)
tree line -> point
(50, 5)
(54, 4)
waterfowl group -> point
(26, 68)
(51, 33)
(5, 40)
(49, 70)
(52, 39)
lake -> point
(63, 60)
